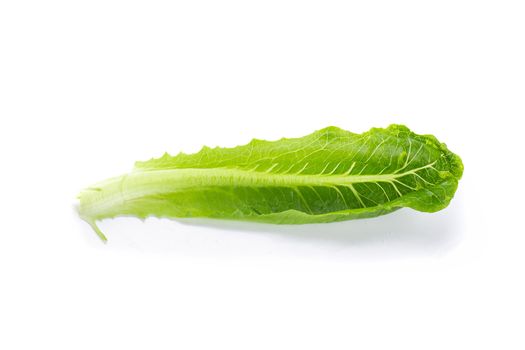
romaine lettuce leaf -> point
(329, 175)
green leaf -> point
(329, 175)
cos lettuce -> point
(329, 175)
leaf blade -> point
(329, 175)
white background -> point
(89, 87)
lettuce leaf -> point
(329, 175)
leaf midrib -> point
(231, 176)
(137, 184)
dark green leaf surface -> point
(329, 175)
